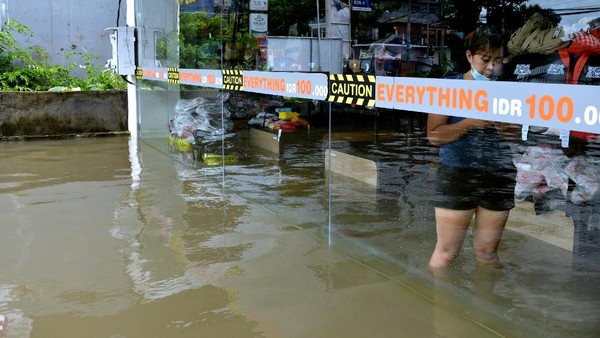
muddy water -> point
(108, 237)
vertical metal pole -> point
(329, 230)
(350, 31)
(327, 18)
(408, 42)
(133, 118)
(428, 19)
(318, 36)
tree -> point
(364, 22)
(464, 15)
(284, 13)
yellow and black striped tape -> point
(139, 73)
(233, 79)
(352, 89)
(173, 75)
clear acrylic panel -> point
(319, 112)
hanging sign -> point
(225, 4)
(139, 73)
(233, 79)
(259, 5)
(201, 77)
(302, 85)
(173, 75)
(258, 24)
(523, 103)
(156, 74)
(352, 89)
(361, 5)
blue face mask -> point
(478, 76)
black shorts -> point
(465, 189)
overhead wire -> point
(576, 10)
(118, 13)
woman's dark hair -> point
(483, 39)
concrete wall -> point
(58, 113)
(62, 26)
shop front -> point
(320, 111)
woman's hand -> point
(439, 132)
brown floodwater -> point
(111, 237)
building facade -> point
(64, 27)
(348, 132)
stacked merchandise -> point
(543, 51)
(204, 126)
(565, 179)
(183, 124)
(283, 119)
(554, 175)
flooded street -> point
(92, 248)
(419, 169)
(108, 237)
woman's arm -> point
(439, 132)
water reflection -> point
(134, 242)
(531, 293)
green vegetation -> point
(29, 69)
(199, 41)
(203, 38)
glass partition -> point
(452, 146)
(157, 37)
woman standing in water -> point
(476, 177)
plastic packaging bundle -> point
(214, 119)
(585, 174)
(188, 106)
(263, 119)
(539, 170)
